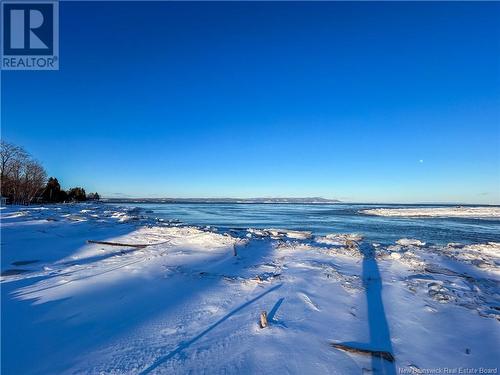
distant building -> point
(3, 201)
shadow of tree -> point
(142, 302)
(188, 343)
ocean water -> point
(324, 219)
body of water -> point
(324, 219)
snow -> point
(186, 304)
(279, 233)
(470, 212)
(410, 241)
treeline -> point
(23, 180)
(54, 194)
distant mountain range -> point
(314, 200)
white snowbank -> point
(470, 212)
(339, 239)
(485, 256)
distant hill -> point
(314, 200)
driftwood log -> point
(139, 246)
(376, 353)
(263, 319)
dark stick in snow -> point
(376, 353)
(139, 246)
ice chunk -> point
(471, 212)
(410, 242)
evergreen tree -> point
(52, 191)
(63, 196)
(77, 194)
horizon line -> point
(319, 199)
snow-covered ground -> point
(470, 212)
(180, 299)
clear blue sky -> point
(366, 102)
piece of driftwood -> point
(139, 246)
(263, 319)
(376, 353)
(441, 271)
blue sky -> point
(364, 102)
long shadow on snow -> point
(188, 343)
(380, 337)
(144, 303)
(18, 319)
(249, 256)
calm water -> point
(323, 219)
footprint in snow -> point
(308, 301)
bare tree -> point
(8, 154)
(34, 180)
(21, 176)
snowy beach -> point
(148, 295)
(250, 187)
